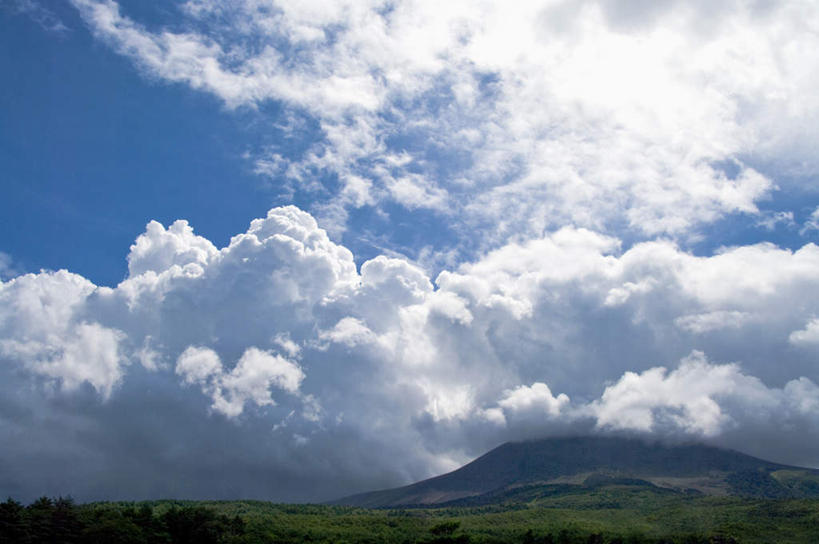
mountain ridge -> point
(593, 462)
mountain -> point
(555, 465)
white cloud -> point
(538, 397)
(89, 353)
(395, 280)
(811, 223)
(42, 325)
(149, 357)
(350, 332)
(158, 249)
(807, 336)
(514, 119)
(803, 395)
(682, 398)
(450, 305)
(197, 365)
(413, 191)
(770, 220)
(253, 376)
(710, 321)
(525, 313)
(289, 346)
(357, 190)
(698, 398)
(250, 380)
(427, 374)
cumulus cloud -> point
(43, 328)
(250, 380)
(703, 399)
(802, 395)
(158, 249)
(537, 395)
(279, 332)
(198, 365)
(350, 332)
(807, 336)
(536, 401)
(684, 397)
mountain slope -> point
(593, 462)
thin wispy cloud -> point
(517, 118)
(37, 12)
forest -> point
(610, 517)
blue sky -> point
(92, 151)
(328, 247)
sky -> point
(295, 250)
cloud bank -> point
(302, 376)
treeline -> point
(60, 521)
(448, 533)
(569, 537)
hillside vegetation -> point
(566, 491)
(606, 515)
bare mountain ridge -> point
(593, 462)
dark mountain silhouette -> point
(594, 462)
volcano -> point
(514, 470)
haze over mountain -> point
(557, 464)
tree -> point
(444, 533)
(200, 525)
(112, 527)
(13, 522)
(65, 524)
(39, 514)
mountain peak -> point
(592, 461)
